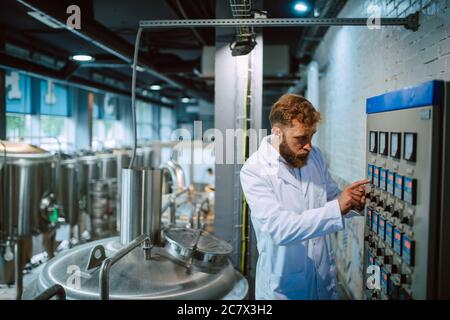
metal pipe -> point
(198, 211)
(56, 290)
(18, 270)
(140, 204)
(173, 206)
(133, 95)
(109, 262)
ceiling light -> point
(185, 100)
(82, 58)
(155, 87)
(301, 7)
(48, 21)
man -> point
(295, 206)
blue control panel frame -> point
(426, 94)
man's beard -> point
(295, 160)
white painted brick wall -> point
(359, 63)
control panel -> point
(402, 210)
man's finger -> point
(358, 183)
(357, 192)
(356, 198)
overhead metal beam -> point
(39, 71)
(411, 22)
(179, 7)
(69, 69)
(105, 39)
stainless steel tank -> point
(26, 202)
(177, 266)
(134, 277)
(108, 165)
(67, 191)
(173, 177)
(147, 157)
(27, 177)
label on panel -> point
(408, 250)
(390, 182)
(409, 190)
(381, 227)
(398, 188)
(398, 238)
(383, 179)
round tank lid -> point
(133, 277)
(20, 149)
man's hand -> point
(353, 196)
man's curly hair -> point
(292, 106)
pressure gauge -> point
(409, 152)
(384, 143)
(373, 141)
(396, 142)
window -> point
(107, 131)
(146, 128)
(38, 112)
(168, 123)
(56, 133)
(107, 134)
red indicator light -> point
(407, 245)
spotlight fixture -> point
(301, 7)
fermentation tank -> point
(26, 200)
(67, 192)
(146, 261)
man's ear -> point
(276, 131)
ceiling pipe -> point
(101, 37)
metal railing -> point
(109, 262)
(56, 290)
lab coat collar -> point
(278, 165)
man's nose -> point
(308, 146)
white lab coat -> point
(292, 220)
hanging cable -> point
(133, 95)
(246, 153)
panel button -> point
(398, 241)
(390, 182)
(383, 179)
(381, 227)
(409, 190)
(370, 173)
(375, 221)
(385, 281)
(369, 217)
(376, 176)
(389, 233)
(408, 250)
(398, 188)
